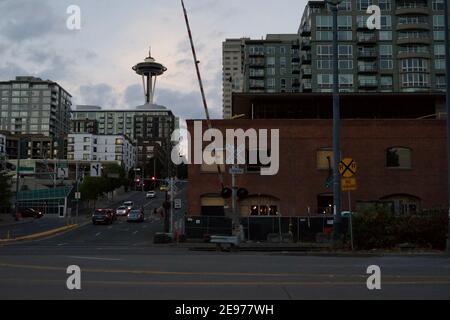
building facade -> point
(34, 146)
(102, 148)
(267, 65)
(31, 105)
(393, 158)
(406, 55)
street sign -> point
(63, 173)
(236, 170)
(177, 203)
(78, 195)
(96, 170)
(348, 168)
(349, 184)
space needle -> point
(149, 69)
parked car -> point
(150, 195)
(103, 216)
(122, 211)
(129, 205)
(136, 215)
(30, 213)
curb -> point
(40, 235)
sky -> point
(94, 63)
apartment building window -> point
(283, 62)
(270, 51)
(345, 35)
(386, 61)
(271, 83)
(345, 22)
(415, 80)
(324, 36)
(386, 82)
(399, 158)
(439, 64)
(283, 83)
(270, 62)
(362, 5)
(414, 49)
(438, 27)
(345, 51)
(345, 5)
(345, 64)
(324, 22)
(385, 5)
(346, 80)
(385, 36)
(283, 51)
(86, 139)
(270, 71)
(414, 65)
(413, 35)
(441, 82)
(325, 80)
(438, 5)
(256, 50)
(361, 21)
(324, 64)
(386, 22)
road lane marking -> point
(412, 279)
(136, 232)
(62, 244)
(98, 234)
(95, 258)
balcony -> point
(295, 70)
(306, 44)
(296, 84)
(368, 84)
(296, 59)
(305, 31)
(306, 86)
(414, 26)
(368, 68)
(306, 58)
(417, 39)
(367, 38)
(412, 8)
(256, 54)
(367, 54)
(407, 55)
(306, 73)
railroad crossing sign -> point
(348, 168)
(349, 184)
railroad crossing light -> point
(226, 193)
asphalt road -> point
(120, 261)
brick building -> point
(400, 161)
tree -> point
(5, 190)
(114, 177)
(92, 188)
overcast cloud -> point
(94, 63)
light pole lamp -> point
(337, 230)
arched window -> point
(398, 157)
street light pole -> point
(447, 63)
(337, 230)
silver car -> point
(122, 211)
(135, 215)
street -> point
(121, 262)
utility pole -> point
(447, 63)
(337, 227)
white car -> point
(122, 211)
(128, 204)
(150, 195)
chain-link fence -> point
(260, 229)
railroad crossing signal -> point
(348, 168)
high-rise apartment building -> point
(269, 65)
(31, 105)
(406, 55)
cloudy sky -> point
(94, 63)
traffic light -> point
(153, 178)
